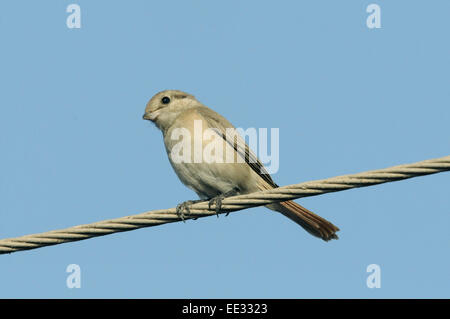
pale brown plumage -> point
(213, 179)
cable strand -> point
(230, 204)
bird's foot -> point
(217, 201)
(185, 207)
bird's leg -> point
(217, 201)
(184, 207)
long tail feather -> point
(312, 223)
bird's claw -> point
(217, 202)
(185, 207)
(180, 210)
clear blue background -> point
(74, 147)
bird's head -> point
(164, 107)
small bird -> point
(174, 111)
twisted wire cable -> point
(230, 204)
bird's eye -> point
(165, 100)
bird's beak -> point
(151, 116)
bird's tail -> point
(312, 223)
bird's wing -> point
(228, 132)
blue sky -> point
(345, 99)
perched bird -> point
(177, 113)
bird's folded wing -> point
(229, 133)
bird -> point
(178, 114)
